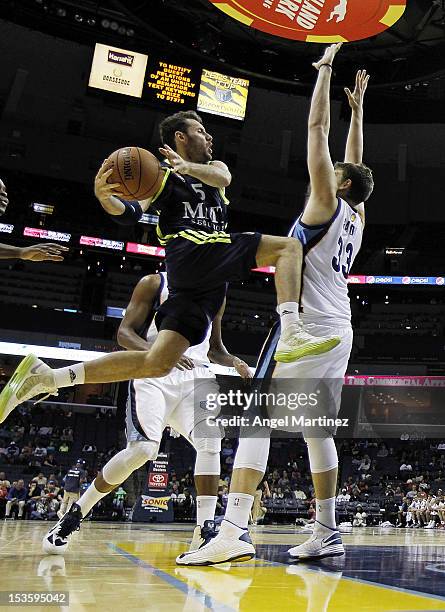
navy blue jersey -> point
(190, 209)
(72, 480)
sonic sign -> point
(318, 21)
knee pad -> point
(207, 456)
(119, 468)
(252, 453)
(322, 454)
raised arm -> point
(322, 201)
(218, 352)
(354, 144)
(215, 174)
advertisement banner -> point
(155, 505)
(223, 95)
(118, 70)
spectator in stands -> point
(34, 494)
(26, 454)
(359, 517)
(4, 479)
(365, 464)
(50, 461)
(174, 488)
(3, 495)
(412, 493)
(39, 453)
(41, 479)
(64, 448)
(343, 496)
(406, 467)
(283, 482)
(401, 515)
(187, 504)
(13, 451)
(71, 486)
(383, 450)
(16, 497)
(67, 435)
(299, 493)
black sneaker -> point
(57, 539)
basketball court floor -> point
(120, 567)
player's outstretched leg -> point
(33, 377)
(115, 472)
(286, 254)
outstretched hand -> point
(43, 252)
(356, 97)
(176, 161)
(328, 56)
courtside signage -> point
(318, 21)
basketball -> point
(137, 170)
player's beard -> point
(199, 153)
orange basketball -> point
(137, 170)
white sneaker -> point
(31, 378)
(325, 542)
(231, 544)
(296, 343)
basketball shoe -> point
(231, 544)
(203, 535)
(56, 540)
(296, 343)
(325, 542)
(31, 378)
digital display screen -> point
(118, 70)
(102, 243)
(223, 95)
(43, 209)
(34, 232)
(115, 312)
(145, 249)
(6, 228)
(170, 82)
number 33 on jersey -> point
(329, 252)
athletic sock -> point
(70, 376)
(205, 508)
(288, 312)
(325, 513)
(238, 510)
(90, 499)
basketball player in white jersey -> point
(154, 403)
(330, 229)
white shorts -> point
(173, 400)
(309, 371)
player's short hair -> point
(362, 181)
(175, 123)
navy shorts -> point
(197, 276)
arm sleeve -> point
(132, 214)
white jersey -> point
(149, 331)
(329, 251)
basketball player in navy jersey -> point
(201, 258)
(330, 228)
(154, 403)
